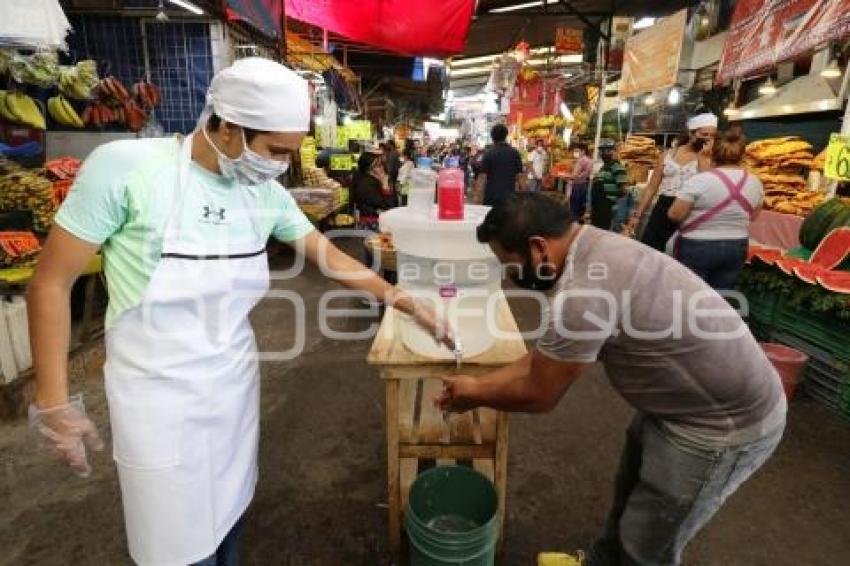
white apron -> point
(182, 381)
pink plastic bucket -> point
(789, 363)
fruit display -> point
(18, 249)
(29, 189)
(830, 215)
(18, 108)
(60, 109)
(110, 89)
(114, 105)
(40, 69)
(78, 81)
(147, 94)
(581, 122)
(543, 126)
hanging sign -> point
(651, 58)
(766, 32)
(359, 130)
(341, 137)
(838, 158)
(569, 41)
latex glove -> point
(458, 395)
(436, 325)
(67, 432)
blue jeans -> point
(667, 489)
(717, 262)
(227, 553)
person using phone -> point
(672, 169)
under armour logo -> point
(210, 212)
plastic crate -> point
(830, 333)
(763, 307)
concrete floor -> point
(321, 494)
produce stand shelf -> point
(417, 431)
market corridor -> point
(322, 473)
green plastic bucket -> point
(451, 518)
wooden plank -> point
(388, 349)
(393, 472)
(431, 424)
(409, 471)
(501, 472)
(448, 451)
(488, 420)
(486, 466)
(462, 428)
(406, 404)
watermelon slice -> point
(788, 264)
(835, 281)
(766, 255)
(810, 273)
(833, 249)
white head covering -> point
(707, 120)
(259, 94)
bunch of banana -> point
(29, 189)
(87, 72)
(40, 69)
(72, 86)
(19, 108)
(61, 110)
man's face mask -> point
(250, 168)
(540, 278)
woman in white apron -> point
(183, 225)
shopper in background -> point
(539, 165)
(608, 186)
(501, 170)
(672, 170)
(408, 164)
(371, 191)
(183, 224)
(580, 178)
(710, 405)
(713, 211)
(392, 162)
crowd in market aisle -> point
(705, 198)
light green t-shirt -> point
(125, 194)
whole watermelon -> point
(822, 220)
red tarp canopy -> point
(408, 27)
(766, 32)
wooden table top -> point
(389, 350)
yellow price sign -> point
(342, 135)
(360, 130)
(341, 162)
(838, 158)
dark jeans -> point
(659, 227)
(578, 200)
(668, 489)
(227, 553)
(717, 262)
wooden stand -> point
(416, 430)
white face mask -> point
(250, 168)
(576, 154)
